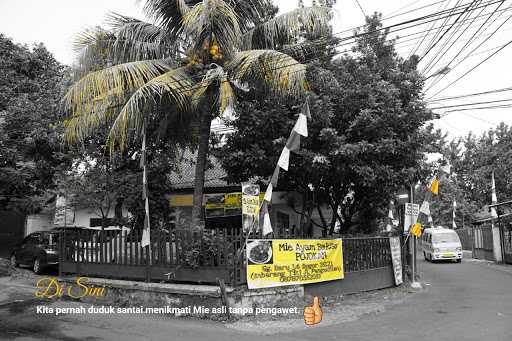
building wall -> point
(77, 217)
(280, 211)
(38, 222)
(82, 217)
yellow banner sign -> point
(280, 262)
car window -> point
(446, 238)
(53, 238)
(45, 239)
(37, 239)
(32, 239)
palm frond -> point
(217, 78)
(174, 85)
(282, 73)
(252, 13)
(213, 20)
(227, 96)
(125, 78)
(169, 13)
(81, 126)
(287, 28)
(94, 47)
(139, 40)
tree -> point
(108, 184)
(476, 158)
(368, 134)
(31, 87)
(191, 64)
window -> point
(33, 239)
(45, 239)
(446, 238)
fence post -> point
(61, 251)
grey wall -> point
(354, 282)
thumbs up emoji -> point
(313, 314)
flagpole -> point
(146, 233)
(413, 243)
(292, 145)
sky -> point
(56, 22)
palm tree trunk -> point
(202, 155)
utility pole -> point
(415, 284)
(413, 242)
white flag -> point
(425, 208)
(268, 193)
(284, 159)
(445, 169)
(267, 226)
(301, 126)
(494, 198)
(145, 238)
(145, 241)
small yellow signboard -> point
(280, 262)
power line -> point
(391, 15)
(479, 119)
(355, 36)
(414, 50)
(429, 32)
(472, 69)
(470, 42)
(347, 40)
(440, 55)
(470, 104)
(350, 39)
(361, 8)
(446, 20)
(398, 39)
(472, 94)
(445, 32)
(501, 106)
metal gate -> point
(12, 228)
(507, 243)
(483, 243)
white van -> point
(440, 243)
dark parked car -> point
(38, 250)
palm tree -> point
(192, 61)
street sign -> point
(411, 215)
(396, 258)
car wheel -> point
(14, 261)
(37, 266)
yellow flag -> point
(416, 229)
(434, 187)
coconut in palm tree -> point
(190, 61)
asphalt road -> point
(467, 301)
